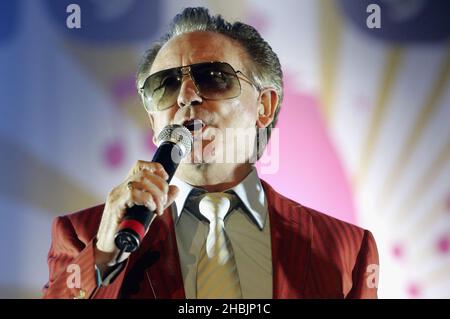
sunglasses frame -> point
(186, 71)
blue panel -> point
(109, 21)
(9, 15)
(413, 21)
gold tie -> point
(217, 276)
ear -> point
(267, 104)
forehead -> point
(199, 46)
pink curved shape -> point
(310, 171)
(443, 245)
(114, 154)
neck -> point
(213, 177)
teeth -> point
(194, 125)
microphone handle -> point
(138, 218)
(170, 163)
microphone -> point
(174, 142)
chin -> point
(203, 152)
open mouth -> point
(194, 125)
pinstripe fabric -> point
(313, 256)
(73, 245)
(318, 256)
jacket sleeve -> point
(71, 265)
(366, 270)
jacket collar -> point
(249, 191)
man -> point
(221, 232)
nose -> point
(188, 93)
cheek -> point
(162, 118)
(240, 114)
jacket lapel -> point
(154, 270)
(291, 235)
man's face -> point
(216, 115)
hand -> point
(146, 184)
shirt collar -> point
(249, 191)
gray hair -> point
(264, 69)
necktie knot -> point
(215, 206)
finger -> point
(171, 195)
(143, 178)
(158, 181)
(152, 167)
(141, 198)
(158, 170)
(158, 196)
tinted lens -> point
(216, 80)
(161, 89)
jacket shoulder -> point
(333, 227)
(321, 227)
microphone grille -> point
(177, 134)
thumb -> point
(171, 195)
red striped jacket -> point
(313, 256)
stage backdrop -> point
(364, 128)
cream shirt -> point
(248, 228)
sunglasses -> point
(212, 81)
